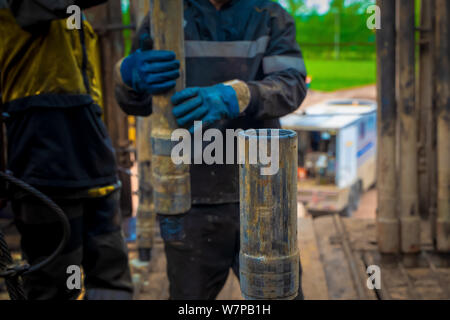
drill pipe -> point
(172, 189)
(146, 216)
(388, 226)
(408, 196)
(269, 258)
(443, 125)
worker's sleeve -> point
(131, 102)
(283, 88)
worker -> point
(244, 69)
(50, 88)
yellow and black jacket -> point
(51, 90)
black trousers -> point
(198, 266)
(96, 244)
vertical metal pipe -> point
(111, 48)
(408, 173)
(141, 9)
(269, 258)
(111, 51)
(443, 124)
(388, 231)
(171, 192)
(146, 216)
(427, 127)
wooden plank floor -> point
(151, 281)
(335, 253)
(426, 276)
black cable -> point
(53, 207)
(13, 280)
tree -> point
(295, 6)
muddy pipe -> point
(408, 192)
(171, 189)
(146, 216)
(269, 257)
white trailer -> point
(337, 153)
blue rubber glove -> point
(209, 104)
(150, 71)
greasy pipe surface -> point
(269, 258)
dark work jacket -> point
(249, 40)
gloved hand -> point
(151, 71)
(209, 104)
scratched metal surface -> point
(172, 191)
(269, 251)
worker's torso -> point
(230, 43)
(50, 85)
(221, 46)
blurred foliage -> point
(328, 75)
(327, 35)
(338, 48)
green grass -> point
(331, 75)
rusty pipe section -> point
(388, 226)
(443, 125)
(172, 191)
(146, 216)
(269, 258)
(408, 179)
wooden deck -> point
(335, 253)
